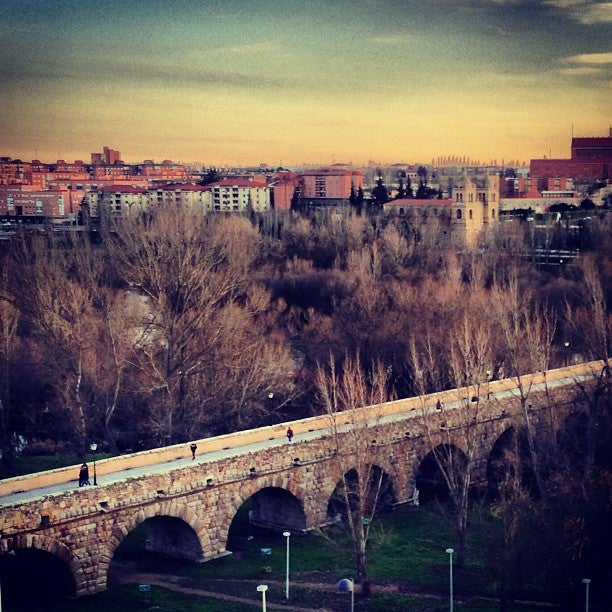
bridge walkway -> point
(24, 489)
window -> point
(471, 214)
(458, 213)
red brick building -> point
(329, 186)
(591, 159)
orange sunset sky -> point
(227, 82)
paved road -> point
(160, 468)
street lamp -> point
(450, 552)
(94, 447)
(287, 534)
(262, 588)
(346, 585)
(586, 582)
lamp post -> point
(94, 447)
(262, 588)
(287, 534)
(346, 585)
(450, 552)
(586, 582)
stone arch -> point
(381, 498)
(429, 478)
(509, 458)
(40, 542)
(273, 504)
(174, 529)
(46, 562)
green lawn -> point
(408, 566)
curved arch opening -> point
(371, 495)
(508, 462)
(156, 542)
(262, 516)
(445, 462)
(33, 579)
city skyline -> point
(293, 83)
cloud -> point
(581, 71)
(590, 58)
(596, 65)
(146, 73)
(586, 12)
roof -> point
(123, 189)
(241, 182)
(592, 141)
(181, 187)
(415, 202)
(331, 172)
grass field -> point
(408, 565)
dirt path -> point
(126, 573)
(171, 582)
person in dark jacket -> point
(84, 476)
(289, 433)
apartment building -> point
(238, 195)
(14, 171)
(328, 186)
(283, 187)
(27, 201)
(196, 198)
(115, 201)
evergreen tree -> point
(359, 201)
(210, 176)
(422, 172)
(380, 193)
(401, 193)
(296, 204)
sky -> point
(293, 82)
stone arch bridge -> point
(189, 504)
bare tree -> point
(204, 364)
(453, 432)
(363, 486)
(526, 333)
(9, 319)
(591, 322)
(62, 315)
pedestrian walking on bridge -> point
(289, 433)
(84, 476)
(193, 448)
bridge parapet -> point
(316, 423)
